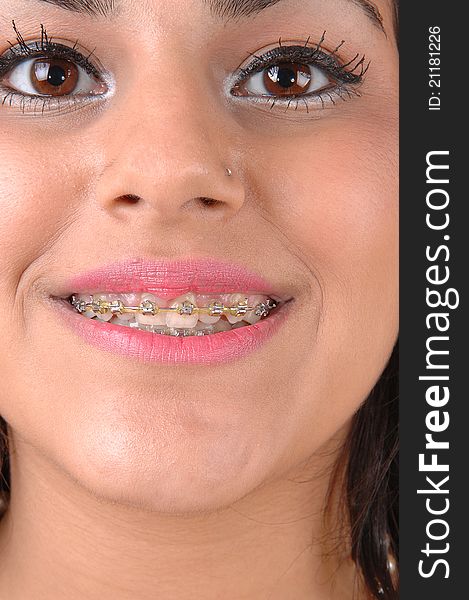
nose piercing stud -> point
(229, 172)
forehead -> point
(223, 9)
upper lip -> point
(171, 278)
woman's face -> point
(311, 206)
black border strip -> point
(433, 353)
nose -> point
(170, 165)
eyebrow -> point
(226, 10)
(234, 9)
(95, 8)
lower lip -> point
(145, 346)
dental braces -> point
(147, 307)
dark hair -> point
(4, 467)
(368, 469)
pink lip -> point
(168, 279)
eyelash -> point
(349, 76)
(47, 49)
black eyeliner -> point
(45, 48)
(311, 54)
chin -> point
(203, 474)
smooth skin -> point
(146, 481)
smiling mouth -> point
(187, 315)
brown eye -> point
(288, 79)
(54, 76)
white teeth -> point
(159, 319)
(251, 317)
(204, 300)
(233, 299)
(107, 316)
(89, 313)
(186, 320)
(118, 321)
(128, 300)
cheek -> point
(41, 179)
(337, 198)
(337, 204)
(346, 215)
(22, 215)
(32, 207)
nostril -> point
(209, 201)
(131, 198)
